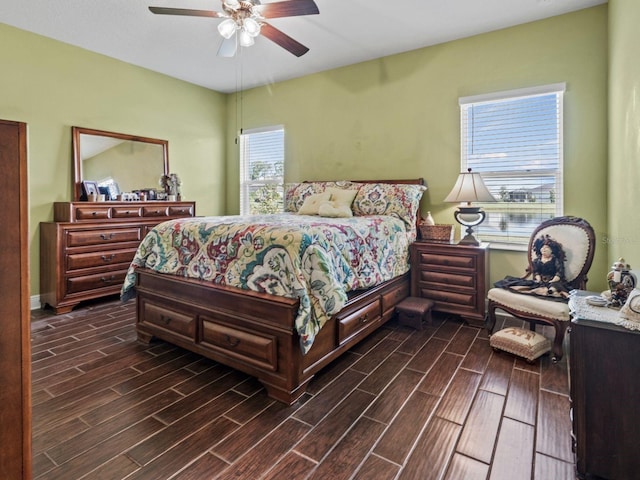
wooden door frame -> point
(15, 354)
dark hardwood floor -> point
(404, 404)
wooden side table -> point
(604, 372)
(454, 276)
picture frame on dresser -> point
(89, 187)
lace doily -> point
(580, 308)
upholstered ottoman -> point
(412, 310)
(524, 343)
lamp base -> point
(469, 239)
(469, 217)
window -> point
(514, 139)
(262, 171)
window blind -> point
(514, 140)
(262, 171)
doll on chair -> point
(547, 275)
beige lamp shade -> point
(469, 188)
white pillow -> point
(312, 202)
(342, 197)
(332, 209)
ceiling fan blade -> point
(228, 47)
(289, 8)
(284, 40)
(186, 11)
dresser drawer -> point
(155, 211)
(82, 238)
(93, 213)
(358, 320)
(78, 261)
(447, 279)
(94, 282)
(181, 211)
(249, 347)
(126, 212)
(165, 318)
(447, 261)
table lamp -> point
(469, 188)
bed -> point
(279, 296)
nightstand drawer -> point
(440, 278)
(445, 297)
(455, 261)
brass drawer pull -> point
(108, 279)
(364, 318)
(107, 259)
(94, 213)
(232, 341)
(104, 236)
(165, 320)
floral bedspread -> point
(315, 259)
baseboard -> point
(34, 302)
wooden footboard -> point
(254, 332)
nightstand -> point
(454, 276)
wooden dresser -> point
(453, 276)
(85, 252)
(605, 387)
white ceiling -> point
(345, 32)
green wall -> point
(398, 117)
(395, 117)
(53, 86)
(624, 131)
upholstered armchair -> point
(578, 242)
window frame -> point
(511, 241)
(245, 182)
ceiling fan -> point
(244, 20)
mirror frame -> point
(77, 158)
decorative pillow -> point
(399, 200)
(312, 202)
(342, 197)
(295, 193)
(332, 209)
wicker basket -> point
(436, 233)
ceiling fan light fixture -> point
(245, 39)
(227, 28)
(251, 26)
(232, 3)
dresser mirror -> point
(117, 162)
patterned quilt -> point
(315, 259)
